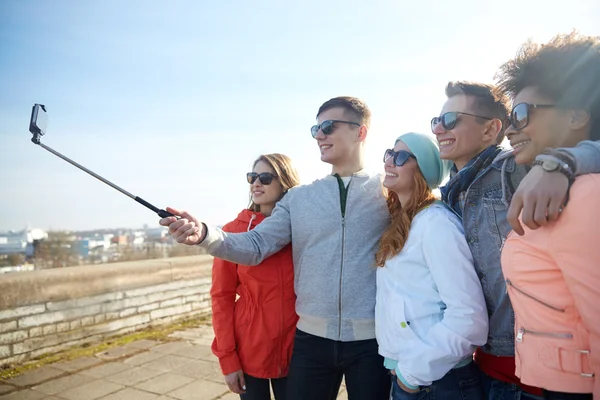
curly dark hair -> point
(566, 69)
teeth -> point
(520, 144)
(390, 174)
(326, 146)
(445, 142)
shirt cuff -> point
(403, 380)
(211, 240)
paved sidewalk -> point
(184, 369)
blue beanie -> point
(427, 152)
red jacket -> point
(256, 332)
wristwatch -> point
(548, 165)
(551, 164)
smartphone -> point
(39, 120)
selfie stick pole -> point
(161, 213)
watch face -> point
(550, 165)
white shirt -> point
(430, 312)
(346, 180)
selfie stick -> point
(37, 132)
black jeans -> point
(318, 366)
(548, 395)
(258, 389)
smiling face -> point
(265, 196)
(400, 179)
(546, 127)
(469, 137)
(341, 146)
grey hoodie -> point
(334, 252)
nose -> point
(389, 162)
(510, 131)
(320, 135)
(256, 184)
(438, 129)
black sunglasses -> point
(399, 157)
(449, 119)
(519, 116)
(265, 178)
(327, 126)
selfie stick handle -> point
(161, 213)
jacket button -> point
(403, 324)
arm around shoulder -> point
(586, 155)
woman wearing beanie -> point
(430, 314)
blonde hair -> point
(283, 169)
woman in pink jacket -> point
(553, 273)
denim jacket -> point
(486, 204)
(484, 218)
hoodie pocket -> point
(241, 318)
(402, 326)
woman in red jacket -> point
(254, 335)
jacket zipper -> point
(342, 186)
(341, 274)
(281, 294)
(509, 283)
(523, 331)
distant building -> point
(21, 242)
(97, 243)
(156, 234)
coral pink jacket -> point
(553, 280)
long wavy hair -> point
(395, 236)
(284, 170)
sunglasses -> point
(449, 120)
(519, 116)
(399, 157)
(327, 126)
(265, 178)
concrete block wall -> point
(50, 310)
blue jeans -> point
(318, 366)
(498, 390)
(460, 383)
(548, 395)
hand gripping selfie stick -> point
(37, 126)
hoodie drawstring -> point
(252, 218)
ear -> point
(579, 119)
(493, 130)
(362, 133)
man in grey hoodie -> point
(334, 225)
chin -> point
(389, 186)
(451, 155)
(446, 156)
(524, 158)
(327, 159)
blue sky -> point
(174, 100)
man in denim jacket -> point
(482, 184)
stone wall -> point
(49, 310)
